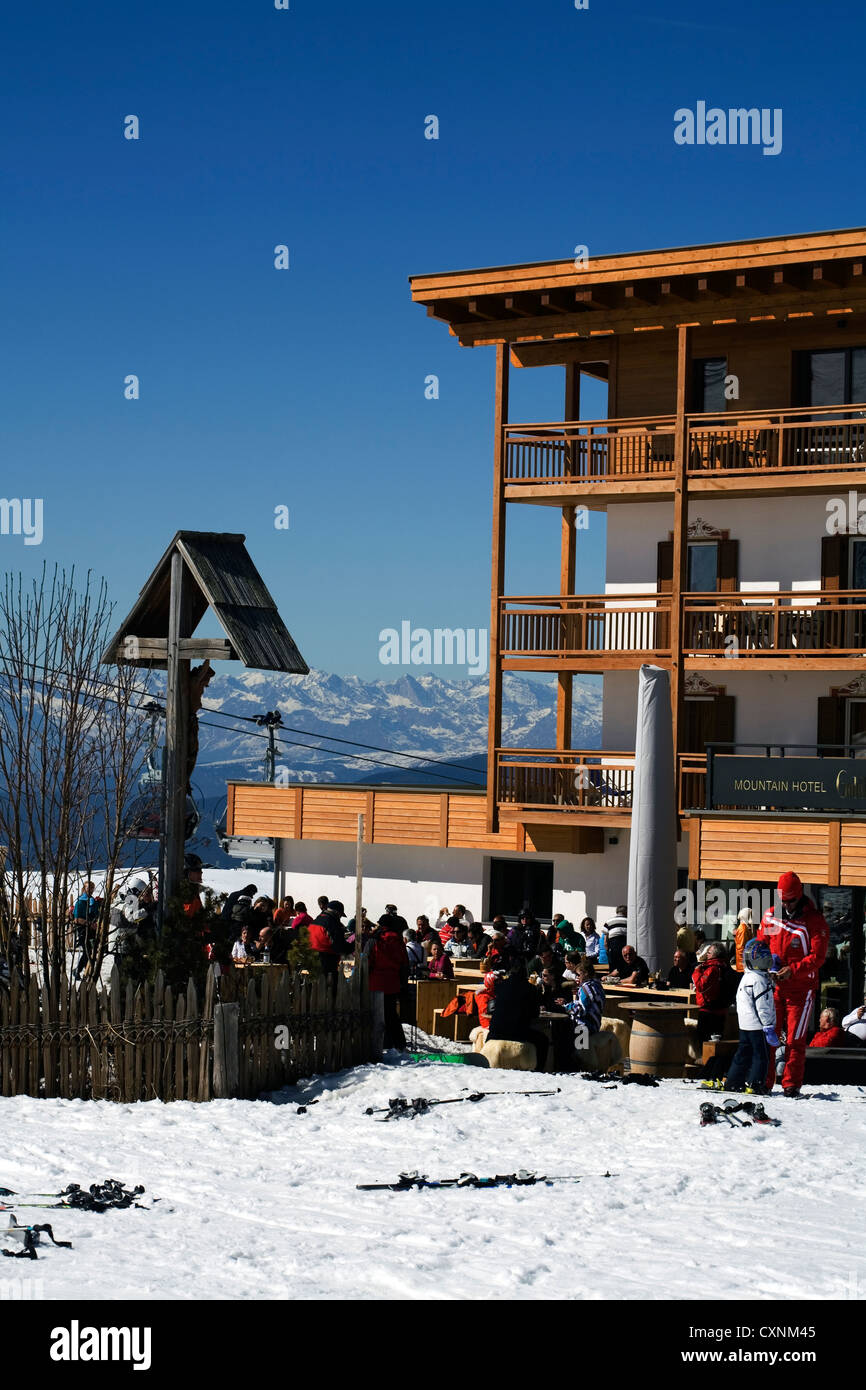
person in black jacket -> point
(516, 1007)
(250, 892)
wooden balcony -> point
(772, 451)
(585, 632)
(629, 454)
(585, 786)
(537, 784)
(813, 629)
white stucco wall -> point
(780, 539)
(771, 707)
(422, 880)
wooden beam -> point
(176, 728)
(594, 299)
(494, 726)
(644, 292)
(790, 277)
(709, 287)
(518, 306)
(478, 313)
(834, 854)
(829, 273)
(567, 565)
(557, 300)
(669, 314)
(679, 580)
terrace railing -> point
(794, 441)
(585, 625)
(810, 624)
(590, 450)
(572, 780)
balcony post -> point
(567, 569)
(679, 578)
(494, 729)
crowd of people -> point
(770, 972)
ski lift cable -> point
(148, 708)
(332, 738)
(274, 718)
(311, 747)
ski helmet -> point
(489, 980)
(137, 885)
(757, 955)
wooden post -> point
(225, 1051)
(568, 556)
(500, 418)
(176, 723)
(359, 887)
(679, 579)
(278, 869)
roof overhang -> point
(552, 302)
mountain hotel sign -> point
(801, 784)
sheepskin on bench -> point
(510, 1056)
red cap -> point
(790, 887)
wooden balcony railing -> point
(590, 450)
(585, 625)
(795, 441)
(577, 780)
(585, 781)
(810, 624)
(805, 440)
(692, 789)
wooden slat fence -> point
(91, 1042)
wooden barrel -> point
(658, 1044)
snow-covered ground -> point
(257, 1201)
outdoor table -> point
(657, 1045)
(616, 995)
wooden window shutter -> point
(665, 572)
(831, 718)
(724, 707)
(834, 563)
(665, 583)
(729, 567)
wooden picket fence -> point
(254, 1031)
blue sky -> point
(305, 388)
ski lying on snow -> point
(522, 1178)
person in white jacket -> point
(756, 1015)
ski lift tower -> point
(200, 571)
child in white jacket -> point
(756, 1015)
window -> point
(855, 732)
(832, 376)
(708, 384)
(703, 567)
(857, 562)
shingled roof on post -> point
(225, 580)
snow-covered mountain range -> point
(425, 715)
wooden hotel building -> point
(729, 465)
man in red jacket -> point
(798, 937)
